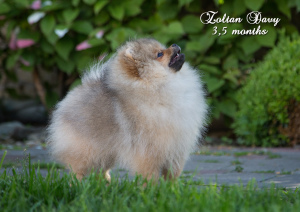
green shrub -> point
(268, 97)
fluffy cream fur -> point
(132, 110)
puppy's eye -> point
(160, 54)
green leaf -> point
(172, 32)
(12, 59)
(228, 107)
(4, 8)
(76, 83)
(119, 36)
(175, 27)
(66, 66)
(167, 10)
(297, 4)
(146, 26)
(84, 27)
(89, 2)
(82, 62)
(249, 45)
(239, 8)
(201, 44)
(159, 2)
(99, 5)
(52, 38)
(47, 24)
(117, 11)
(194, 7)
(191, 24)
(269, 39)
(96, 42)
(102, 18)
(56, 5)
(10, 27)
(211, 60)
(132, 9)
(184, 2)
(213, 83)
(162, 37)
(228, 37)
(226, 8)
(232, 75)
(29, 68)
(47, 47)
(51, 98)
(29, 56)
(29, 34)
(75, 2)
(63, 47)
(254, 5)
(70, 14)
(22, 3)
(230, 62)
(210, 69)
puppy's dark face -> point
(173, 55)
(147, 58)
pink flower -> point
(23, 43)
(83, 45)
(15, 43)
(36, 5)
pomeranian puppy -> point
(143, 109)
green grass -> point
(265, 172)
(41, 165)
(8, 165)
(239, 154)
(273, 172)
(285, 173)
(258, 152)
(238, 168)
(211, 161)
(214, 153)
(29, 191)
(236, 162)
(11, 147)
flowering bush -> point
(64, 36)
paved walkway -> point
(224, 165)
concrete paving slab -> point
(289, 181)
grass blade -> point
(2, 159)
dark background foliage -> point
(94, 28)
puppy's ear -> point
(128, 53)
(129, 64)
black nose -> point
(176, 48)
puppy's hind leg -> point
(107, 163)
(107, 176)
(79, 168)
(149, 168)
(172, 172)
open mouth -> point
(177, 60)
(175, 57)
